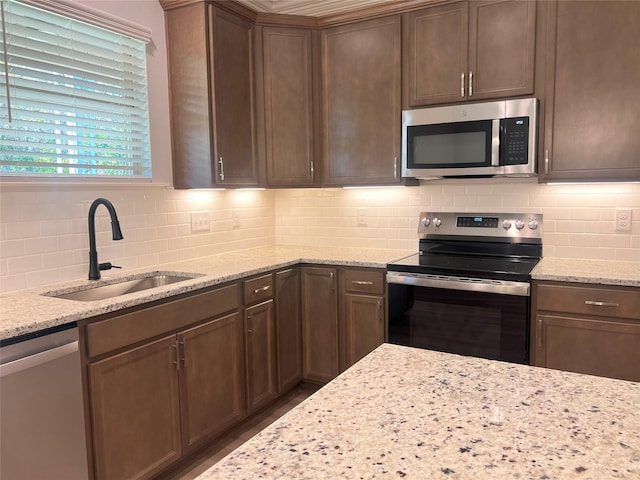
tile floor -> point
(237, 437)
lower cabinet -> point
(319, 324)
(151, 404)
(260, 355)
(587, 329)
(288, 329)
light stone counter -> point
(605, 272)
(409, 413)
(28, 311)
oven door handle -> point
(502, 287)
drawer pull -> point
(601, 304)
(262, 289)
(362, 282)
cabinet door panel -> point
(288, 104)
(235, 140)
(261, 355)
(436, 45)
(595, 347)
(364, 326)
(135, 411)
(361, 103)
(501, 48)
(288, 329)
(592, 112)
(212, 378)
(319, 324)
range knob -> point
(425, 221)
(506, 224)
(519, 224)
(437, 222)
(533, 224)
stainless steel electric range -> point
(467, 291)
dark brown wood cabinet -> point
(361, 103)
(363, 313)
(287, 101)
(320, 324)
(288, 328)
(586, 329)
(469, 51)
(261, 355)
(592, 103)
(212, 96)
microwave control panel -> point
(514, 141)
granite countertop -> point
(603, 272)
(29, 311)
(408, 413)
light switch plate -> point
(200, 222)
(623, 219)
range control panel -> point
(503, 225)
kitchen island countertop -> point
(409, 413)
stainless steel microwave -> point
(481, 139)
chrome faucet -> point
(94, 267)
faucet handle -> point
(107, 266)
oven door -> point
(456, 318)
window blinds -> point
(73, 97)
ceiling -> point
(313, 8)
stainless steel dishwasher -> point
(42, 431)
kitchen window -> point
(73, 95)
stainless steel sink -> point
(91, 294)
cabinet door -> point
(361, 103)
(211, 378)
(261, 355)
(501, 48)
(436, 44)
(592, 119)
(135, 411)
(363, 326)
(288, 329)
(319, 324)
(234, 122)
(288, 106)
(595, 347)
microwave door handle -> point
(495, 143)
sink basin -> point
(103, 292)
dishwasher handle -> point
(31, 361)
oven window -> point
(482, 325)
(450, 145)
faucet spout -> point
(94, 270)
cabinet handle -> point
(262, 289)
(184, 354)
(395, 167)
(470, 84)
(333, 282)
(221, 164)
(546, 162)
(175, 349)
(380, 311)
(249, 323)
(601, 304)
(539, 334)
(312, 170)
(462, 85)
(361, 282)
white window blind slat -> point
(75, 103)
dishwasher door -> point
(42, 433)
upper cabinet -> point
(592, 103)
(469, 51)
(212, 97)
(361, 103)
(287, 95)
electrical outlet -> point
(200, 222)
(235, 217)
(623, 219)
(362, 217)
